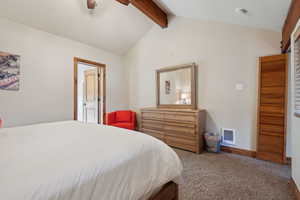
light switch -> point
(239, 86)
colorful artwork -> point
(9, 71)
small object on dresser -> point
(213, 142)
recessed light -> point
(241, 11)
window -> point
(297, 71)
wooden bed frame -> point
(168, 192)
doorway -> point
(89, 91)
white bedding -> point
(73, 161)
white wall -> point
(225, 54)
(46, 85)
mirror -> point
(176, 87)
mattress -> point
(73, 161)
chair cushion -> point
(123, 116)
(124, 125)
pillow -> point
(123, 116)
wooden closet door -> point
(272, 108)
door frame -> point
(100, 66)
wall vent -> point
(228, 136)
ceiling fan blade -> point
(125, 2)
(91, 4)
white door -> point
(90, 96)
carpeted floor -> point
(226, 176)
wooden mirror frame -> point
(193, 104)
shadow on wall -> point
(253, 138)
(211, 125)
(253, 131)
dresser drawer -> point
(180, 117)
(152, 115)
(152, 125)
(187, 144)
(180, 130)
(157, 134)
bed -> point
(73, 161)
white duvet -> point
(73, 161)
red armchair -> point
(122, 119)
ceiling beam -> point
(125, 2)
(289, 25)
(151, 9)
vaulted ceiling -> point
(115, 27)
(268, 14)
(111, 26)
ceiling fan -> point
(148, 7)
(91, 4)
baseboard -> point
(295, 189)
(238, 151)
(249, 153)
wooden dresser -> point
(181, 128)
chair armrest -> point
(111, 118)
(133, 119)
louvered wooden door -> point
(272, 108)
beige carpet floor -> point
(226, 176)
